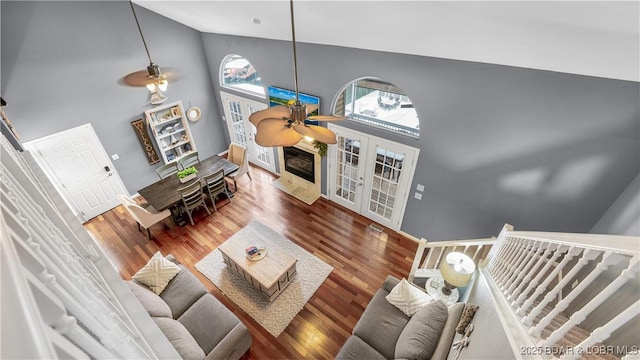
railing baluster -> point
(534, 283)
(497, 263)
(608, 259)
(524, 274)
(604, 332)
(509, 260)
(527, 281)
(579, 316)
(517, 264)
(587, 256)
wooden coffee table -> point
(270, 275)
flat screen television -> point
(279, 96)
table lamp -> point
(456, 271)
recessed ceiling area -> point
(594, 38)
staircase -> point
(571, 339)
(558, 295)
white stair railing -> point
(56, 299)
(426, 262)
(534, 273)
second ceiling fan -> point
(286, 126)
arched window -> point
(237, 73)
(378, 103)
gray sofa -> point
(195, 322)
(380, 332)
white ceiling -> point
(596, 38)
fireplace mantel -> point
(298, 187)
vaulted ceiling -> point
(595, 38)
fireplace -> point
(299, 163)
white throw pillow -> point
(157, 273)
(408, 298)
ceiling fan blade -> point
(318, 133)
(327, 118)
(276, 132)
(311, 107)
(275, 112)
(141, 78)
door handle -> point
(107, 168)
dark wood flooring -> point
(361, 258)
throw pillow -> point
(407, 297)
(419, 339)
(157, 273)
(180, 338)
(151, 302)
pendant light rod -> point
(295, 58)
(140, 30)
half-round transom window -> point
(237, 73)
(380, 104)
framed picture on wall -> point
(279, 96)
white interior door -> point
(237, 110)
(81, 170)
(371, 176)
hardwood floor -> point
(361, 258)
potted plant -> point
(321, 147)
(187, 174)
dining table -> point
(163, 194)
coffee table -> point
(270, 274)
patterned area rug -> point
(273, 316)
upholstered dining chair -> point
(238, 155)
(146, 217)
(167, 170)
(192, 198)
(189, 159)
(215, 185)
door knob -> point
(107, 169)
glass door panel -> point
(263, 157)
(346, 169)
(384, 179)
(236, 120)
(237, 110)
(370, 175)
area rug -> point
(274, 316)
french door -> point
(370, 175)
(237, 110)
(78, 165)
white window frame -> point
(262, 95)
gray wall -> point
(537, 149)
(61, 62)
(623, 217)
(540, 150)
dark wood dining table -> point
(163, 194)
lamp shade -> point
(457, 269)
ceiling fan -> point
(152, 78)
(285, 126)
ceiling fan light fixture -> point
(157, 97)
(152, 78)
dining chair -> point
(167, 170)
(215, 185)
(238, 155)
(192, 198)
(189, 160)
(146, 217)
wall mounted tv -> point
(279, 96)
